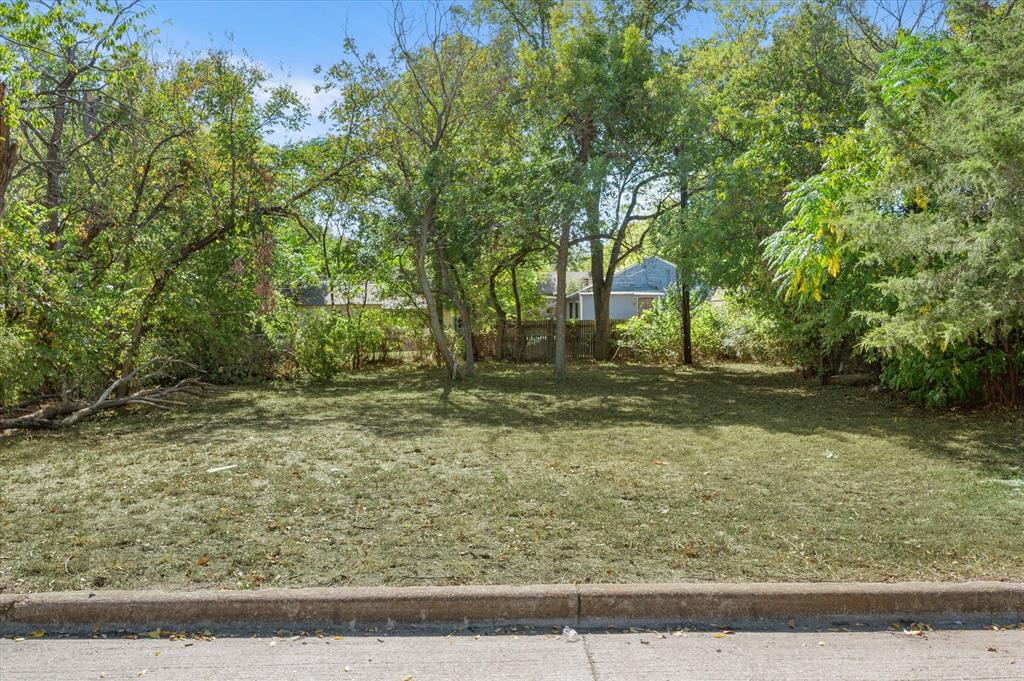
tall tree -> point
(436, 101)
(586, 70)
(69, 57)
(925, 198)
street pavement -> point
(970, 654)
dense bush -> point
(19, 374)
(959, 375)
(323, 343)
(709, 331)
(652, 336)
(754, 337)
(728, 332)
(319, 344)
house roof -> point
(653, 275)
(572, 278)
(368, 293)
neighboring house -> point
(574, 281)
(366, 295)
(634, 289)
(717, 299)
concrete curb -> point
(586, 605)
(610, 603)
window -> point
(574, 310)
(644, 303)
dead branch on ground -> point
(64, 413)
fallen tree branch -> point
(67, 413)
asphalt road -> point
(835, 655)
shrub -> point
(753, 337)
(653, 335)
(729, 332)
(320, 344)
(962, 374)
(709, 328)
(19, 367)
(228, 348)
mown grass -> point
(624, 473)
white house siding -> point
(586, 306)
(645, 280)
(620, 306)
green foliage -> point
(949, 239)
(858, 191)
(709, 332)
(813, 246)
(320, 344)
(964, 374)
(143, 227)
(728, 332)
(652, 336)
(324, 343)
(752, 335)
(19, 364)
(910, 237)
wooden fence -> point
(535, 341)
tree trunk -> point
(518, 340)
(467, 338)
(436, 328)
(602, 323)
(453, 287)
(687, 341)
(8, 151)
(686, 346)
(439, 308)
(499, 311)
(602, 302)
(563, 262)
(682, 278)
(53, 166)
(601, 286)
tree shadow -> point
(414, 403)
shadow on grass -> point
(412, 403)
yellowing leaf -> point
(833, 265)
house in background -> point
(717, 299)
(574, 281)
(349, 300)
(634, 289)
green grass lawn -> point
(624, 473)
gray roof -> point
(577, 278)
(653, 274)
(369, 294)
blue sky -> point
(288, 38)
(278, 33)
(291, 38)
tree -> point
(68, 63)
(584, 72)
(435, 106)
(921, 208)
(154, 170)
(773, 89)
(603, 65)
